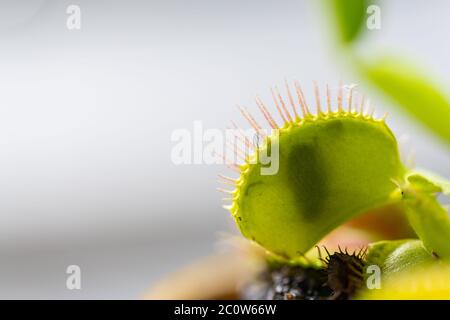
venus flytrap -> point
(408, 271)
(418, 194)
(334, 165)
(395, 257)
(425, 181)
(429, 282)
(341, 162)
(428, 218)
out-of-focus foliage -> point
(428, 182)
(430, 282)
(417, 95)
(397, 256)
(349, 16)
(411, 90)
(429, 220)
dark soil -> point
(289, 283)
(338, 280)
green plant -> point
(333, 165)
(336, 164)
(403, 83)
(412, 91)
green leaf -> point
(321, 181)
(426, 282)
(349, 16)
(412, 91)
(428, 182)
(397, 256)
(429, 220)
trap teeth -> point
(317, 156)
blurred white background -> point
(86, 118)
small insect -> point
(345, 272)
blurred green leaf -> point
(428, 219)
(408, 272)
(428, 182)
(350, 16)
(397, 256)
(412, 91)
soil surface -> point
(289, 283)
(339, 279)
